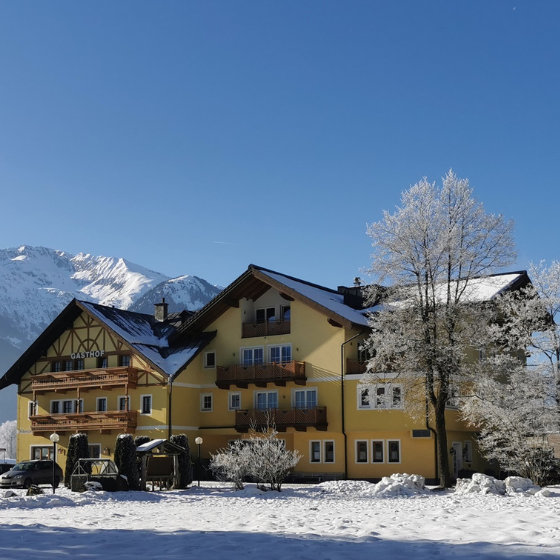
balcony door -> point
(305, 398)
(265, 400)
(252, 356)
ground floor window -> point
(377, 451)
(94, 450)
(41, 452)
(394, 451)
(361, 452)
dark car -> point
(26, 473)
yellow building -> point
(269, 346)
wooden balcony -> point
(63, 381)
(278, 373)
(355, 366)
(298, 418)
(120, 420)
(270, 328)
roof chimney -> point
(160, 310)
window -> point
(305, 398)
(103, 362)
(265, 315)
(146, 404)
(314, 451)
(285, 312)
(124, 403)
(80, 364)
(31, 408)
(40, 452)
(377, 451)
(328, 456)
(55, 407)
(280, 354)
(381, 396)
(67, 407)
(68, 365)
(94, 450)
(206, 402)
(266, 399)
(421, 433)
(252, 356)
(363, 398)
(124, 360)
(210, 360)
(101, 405)
(365, 354)
(394, 451)
(56, 366)
(234, 400)
(361, 452)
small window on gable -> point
(56, 366)
(124, 360)
(210, 359)
(68, 365)
(80, 364)
(102, 362)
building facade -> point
(269, 349)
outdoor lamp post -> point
(54, 438)
(198, 442)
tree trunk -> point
(445, 479)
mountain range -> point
(36, 283)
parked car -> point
(6, 465)
(26, 473)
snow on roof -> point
(149, 337)
(149, 445)
(329, 299)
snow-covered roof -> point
(149, 445)
(149, 337)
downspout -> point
(342, 410)
(169, 408)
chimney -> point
(160, 310)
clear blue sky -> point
(196, 137)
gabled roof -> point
(253, 283)
(141, 332)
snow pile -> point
(484, 484)
(400, 485)
(389, 486)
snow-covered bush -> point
(483, 484)
(77, 449)
(185, 465)
(263, 457)
(126, 461)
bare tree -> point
(431, 252)
(8, 438)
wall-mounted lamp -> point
(106, 451)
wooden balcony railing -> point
(85, 421)
(261, 374)
(85, 378)
(298, 418)
(268, 328)
(355, 366)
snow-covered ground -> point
(329, 521)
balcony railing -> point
(269, 328)
(84, 379)
(261, 374)
(298, 418)
(355, 366)
(85, 421)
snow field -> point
(328, 521)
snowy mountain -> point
(36, 283)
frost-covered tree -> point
(8, 438)
(126, 460)
(262, 457)
(78, 448)
(429, 253)
(516, 389)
